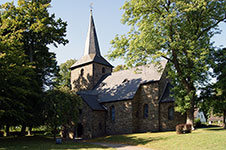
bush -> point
(179, 128)
(187, 128)
(183, 128)
(197, 123)
(1, 133)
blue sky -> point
(107, 16)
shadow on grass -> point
(215, 129)
(125, 139)
(42, 143)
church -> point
(128, 101)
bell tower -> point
(88, 70)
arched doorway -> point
(79, 130)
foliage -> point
(197, 123)
(214, 95)
(178, 31)
(27, 66)
(119, 67)
(61, 107)
(64, 80)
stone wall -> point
(123, 117)
(91, 75)
(147, 94)
(82, 82)
(85, 119)
(93, 122)
(97, 72)
(165, 123)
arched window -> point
(145, 110)
(112, 113)
(82, 72)
(171, 113)
(103, 70)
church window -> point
(82, 72)
(171, 113)
(145, 110)
(100, 126)
(112, 113)
(103, 70)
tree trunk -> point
(190, 115)
(23, 130)
(55, 130)
(30, 130)
(7, 130)
(224, 116)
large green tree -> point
(61, 108)
(64, 79)
(177, 30)
(35, 29)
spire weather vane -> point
(91, 7)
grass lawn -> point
(43, 143)
(200, 139)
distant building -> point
(200, 115)
(128, 101)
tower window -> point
(103, 70)
(82, 72)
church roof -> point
(92, 50)
(92, 102)
(123, 85)
(166, 95)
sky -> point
(107, 18)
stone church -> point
(127, 101)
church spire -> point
(92, 45)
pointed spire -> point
(92, 45)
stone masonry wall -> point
(147, 94)
(165, 123)
(97, 72)
(82, 82)
(123, 117)
(93, 122)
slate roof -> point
(123, 85)
(89, 59)
(166, 95)
(92, 50)
(92, 101)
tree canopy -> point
(27, 66)
(176, 30)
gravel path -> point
(122, 146)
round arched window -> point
(82, 72)
(103, 70)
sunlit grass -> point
(200, 139)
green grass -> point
(200, 139)
(43, 143)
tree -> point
(119, 67)
(61, 108)
(64, 79)
(178, 31)
(219, 69)
(37, 29)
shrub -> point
(183, 128)
(197, 123)
(179, 128)
(1, 133)
(187, 128)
